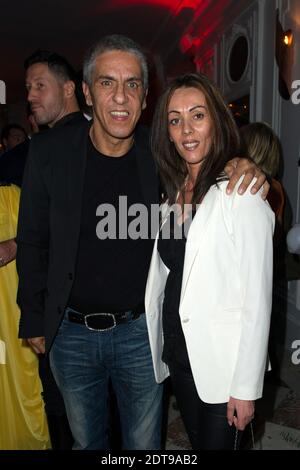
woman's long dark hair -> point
(225, 140)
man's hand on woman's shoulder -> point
(238, 167)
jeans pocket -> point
(139, 325)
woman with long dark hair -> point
(208, 296)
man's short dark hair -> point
(56, 63)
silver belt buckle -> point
(97, 315)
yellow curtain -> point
(23, 422)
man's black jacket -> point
(49, 222)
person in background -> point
(209, 290)
(12, 135)
(23, 422)
(263, 146)
(12, 163)
(51, 94)
(81, 297)
(52, 98)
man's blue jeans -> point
(82, 362)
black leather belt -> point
(102, 321)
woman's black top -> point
(172, 253)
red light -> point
(174, 5)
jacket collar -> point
(196, 233)
(76, 116)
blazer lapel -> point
(195, 235)
(75, 182)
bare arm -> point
(8, 251)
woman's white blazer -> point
(226, 296)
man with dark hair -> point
(51, 87)
(52, 98)
(56, 63)
(50, 83)
(81, 297)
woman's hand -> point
(238, 167)
(240, 412)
